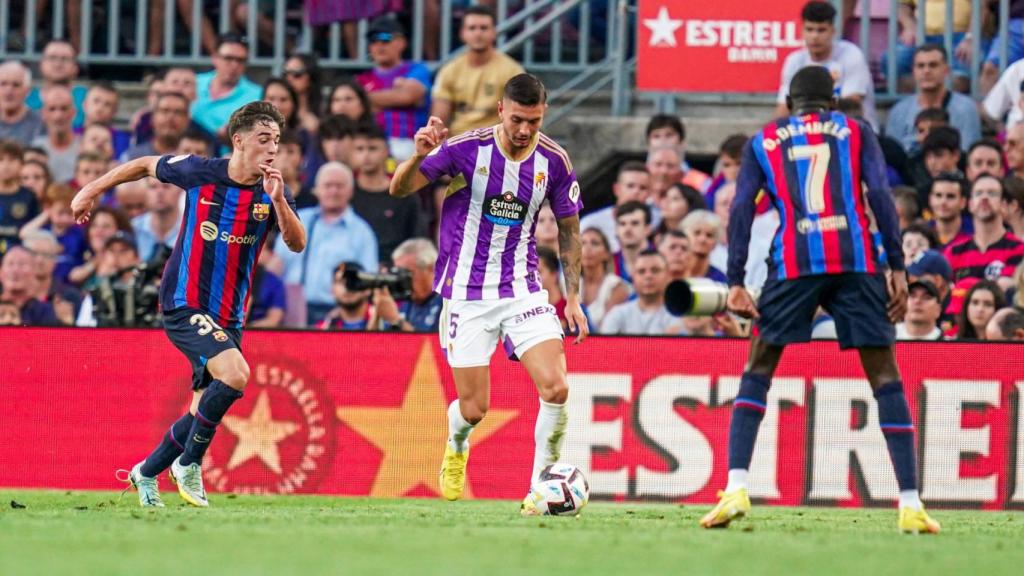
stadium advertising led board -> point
(722, 46)
(364, 414)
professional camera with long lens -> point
(135, 302)
(695, 297)
(398, 281)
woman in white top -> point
(602, 288)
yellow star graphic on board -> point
(412, 436)
(258, 435)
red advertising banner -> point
(722, 46)
(364, 414)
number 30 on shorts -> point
(205, 322)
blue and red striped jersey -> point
(222, 233)
(825, 174)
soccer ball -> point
(561, 490)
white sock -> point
(737, 479)
(458, 428)
(548, 436)
(910, 499)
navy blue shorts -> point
(857, 303)
(199, 338)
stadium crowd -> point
(956, 167)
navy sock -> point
(747, 412)
(172, 445)
(894, 418)
(212, 406)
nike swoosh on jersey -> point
(206, 202)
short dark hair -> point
(733, 145)
(289, 138)
(907, 197)
(11, 149)
(941, 138)
(633, 206)
(247, 117)
(919, 227)
(1013, 190)
(480, 10)
(817, 11)
(812, 83)
(982, 176)
(694, 198)
(549, 257)
(851, 107)
(170, 94)
(336, 127)
(653, 252)
(931, 47)
(932, 115)
(631, 166)
(104, 85)
(231, 38)
(197, 134)
(956, 177)
(369, 132)
(986, 143)
(525, 89)
(659, 121)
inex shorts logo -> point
(505, 210)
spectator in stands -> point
(549, 271)
(1006, 324)
(18, 205)
(468, 87)
(351, 309)
(422, 311)
(632, 183)
(289, 162)
(546, 231)
(946, 201)
(917, 238)
(96, 139)
(935, 27)
(399, 90)
(224, 89)
(675, 247)
(663, 167)
(985, 157)
(349, 99)
(60, 142)
(924, 308)
(59, 67)
(727, 167)
(1013, 216)
(601, 289)
(58, 220)
(843, 59)
(678, 201)
(932, 266)
(1015, 46)
(279, 92)
(141, 123)
(335, 235)
(925, 121)
(119, 255)
(196, 141)
(170, 120)
(335, 139)
(1014, 149)
(100, 108)
(703, 229)
(907, 207)
(10, 314)
(632, 229)
(132, 199)
(18, 122)
(51, 290)
(980, 304)
(103, 224)
(18, 286)
(1002, 103)
(991, 253)
(159, 224)
(941, 153)
(179, 80)
(394, 220)
(35, 176)
(269, 298)
(723, 202)
(88, 167)
(668, 130)
(302, 71)
(646, 314)
(931, 70)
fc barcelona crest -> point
(260, 211)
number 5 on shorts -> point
(814, 185)
(453, 325)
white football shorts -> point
(470, 329)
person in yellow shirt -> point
(467, 88)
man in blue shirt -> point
(224, 89)
(59, 66)
(336, 234)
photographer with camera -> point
(352, 310)
(124, 292)
(419, 309)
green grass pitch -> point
(95, 533)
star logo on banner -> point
(258, 435)
(663, 28)
(412, 437)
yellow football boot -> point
(453, 473)
(917, 522)
(731, 505)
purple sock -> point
(172, 445)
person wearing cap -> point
(353, 310)
(224, 89)
(467, 87)
(933, 267)
(924, 308)
(120, 254)
(399, 90)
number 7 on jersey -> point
(819, 156)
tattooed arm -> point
(571, 253)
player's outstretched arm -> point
(571, 250)
(408, 178)
(131, 171)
